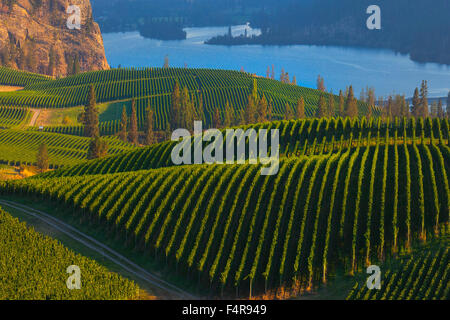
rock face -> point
(34, 36)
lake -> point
(385, 70)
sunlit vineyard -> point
(12, 77)
(422, 275)
(231, 229)
(153, 86)
(20, 147)
(39, 264)
(297, 138)
(12, 117)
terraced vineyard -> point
(12, 117)
(422, 275)
(39, 264)
(11, 77)
(153, 86)
(231, 229)
(21, 147)
(297, 138)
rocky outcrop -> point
(34, 36)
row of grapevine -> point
(12, 117)
(11, 77)
(33, 267)
(251, 233)
(297, 137)
(421, 275)
(20, 147)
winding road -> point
(152, 280)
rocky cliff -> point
(34, 36)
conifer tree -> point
(149, 134)
(216, 119)
(289, 115)
(42, 158)
(270, 110)
(416, 104)
(321, 108)
(166, 62)
(321, 84)
(255, 92)
(262, 109)
(300, 109)
(341, 106)
(90, 116)
(440, 110)
(250, 113)
(351, 108)
(228, 119)
(98, 148)
(448, 105)
(294, 80)
(123, 125)
(272, 76)
(331, 107)
(175, 114)
(133, 133)
(424, 99)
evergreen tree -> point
(167, 131)
(448, 105)
(289, 115)
(331, 107)
(133, 133)
(98, 148)
(76, 64)
(351, 108)
(250, 113)
(176, 112)
(255, 92)
(270, 110)
(272, 76)
(322, 108)
(424, 99)
(149, 134)
(90, 116)
(294, 80)
(321, 84)
(300, 109)
(166, 62)
(341, 106)
(440, 110)
(51, 62)
(123, 125)
(216, 119)
(389, 107)
(228, 120)
(416, 104)
(42, 158)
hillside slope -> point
(227, 227)
(32, 31)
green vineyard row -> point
(21, 147)
(422, 275)
(12, 117)
(297, 137)
(33, 267)
(153, 86)
(11, 77)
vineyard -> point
(153, 87)
(39, 264)
(13, 117)
(11, 77)
(20, 147)
(232, 230)
(297, 138)
(422, 275)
